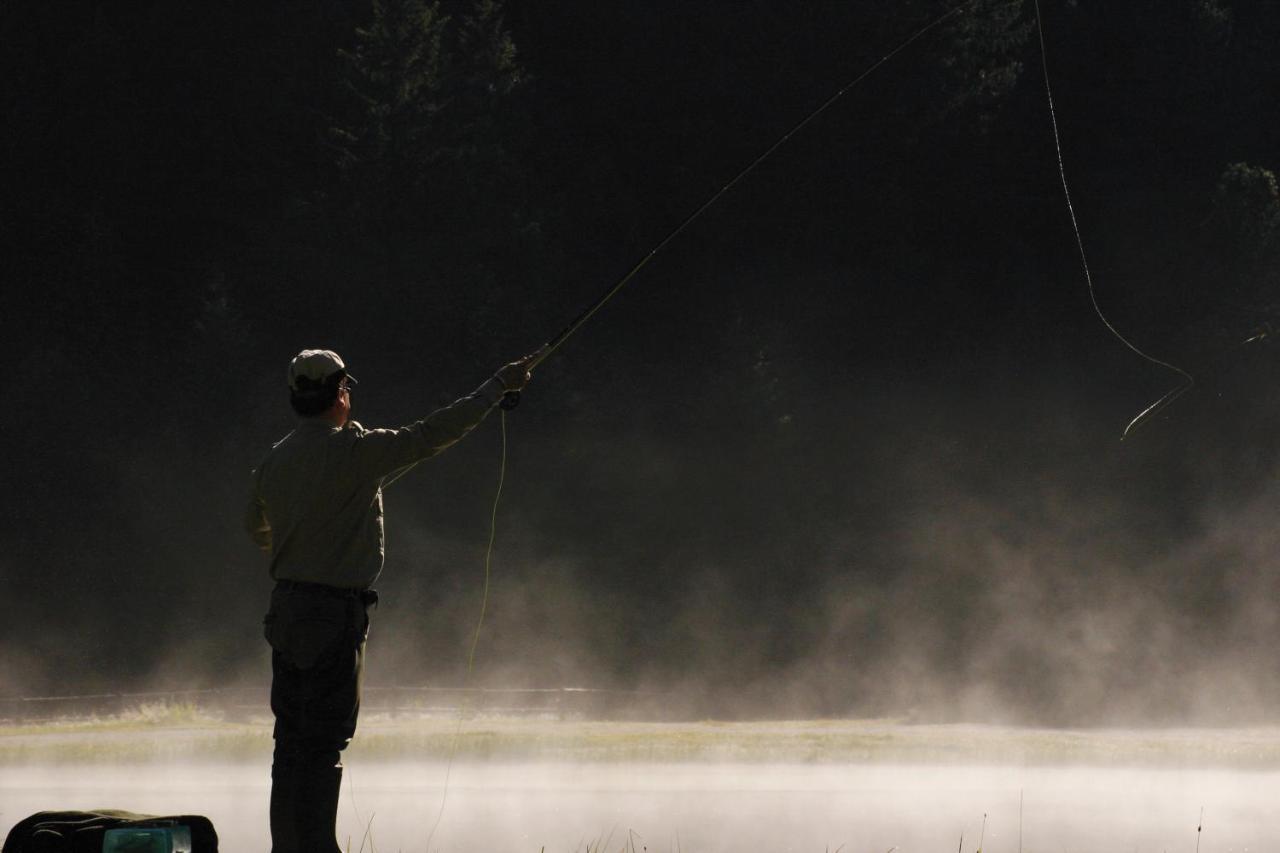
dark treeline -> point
(849, 445)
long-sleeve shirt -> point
(316, 499)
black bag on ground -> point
(85, 832)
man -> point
(316, 509)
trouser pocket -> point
(305, 627)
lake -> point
(695, 806)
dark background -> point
(849, 445)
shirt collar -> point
(317, 424)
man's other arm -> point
(255, 519)
(382, 451)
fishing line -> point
(368, 831)
(1188, 379)
(511, 399)
(475, 637)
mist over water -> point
(849, 447)
(944, 572)
(1045, 577)
(705, 807)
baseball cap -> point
(312, 367)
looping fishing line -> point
(586, 315)
(1188, 379)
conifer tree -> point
(392, 81)
(985, 58)
(1245, 228)
(421, 149)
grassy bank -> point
(177, 733)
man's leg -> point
(318, 805)
(334, 714)
(287, 702)
(316, 710)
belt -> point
(367, 597)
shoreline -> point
(187, 735)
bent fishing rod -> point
(512, 398)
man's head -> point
(319, 385)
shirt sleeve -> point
(379, 452)
(255, 518)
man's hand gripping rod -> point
(511, 399)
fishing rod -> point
(511, 399)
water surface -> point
(493, 806)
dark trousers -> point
(317, 636)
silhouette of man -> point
(316, 508)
